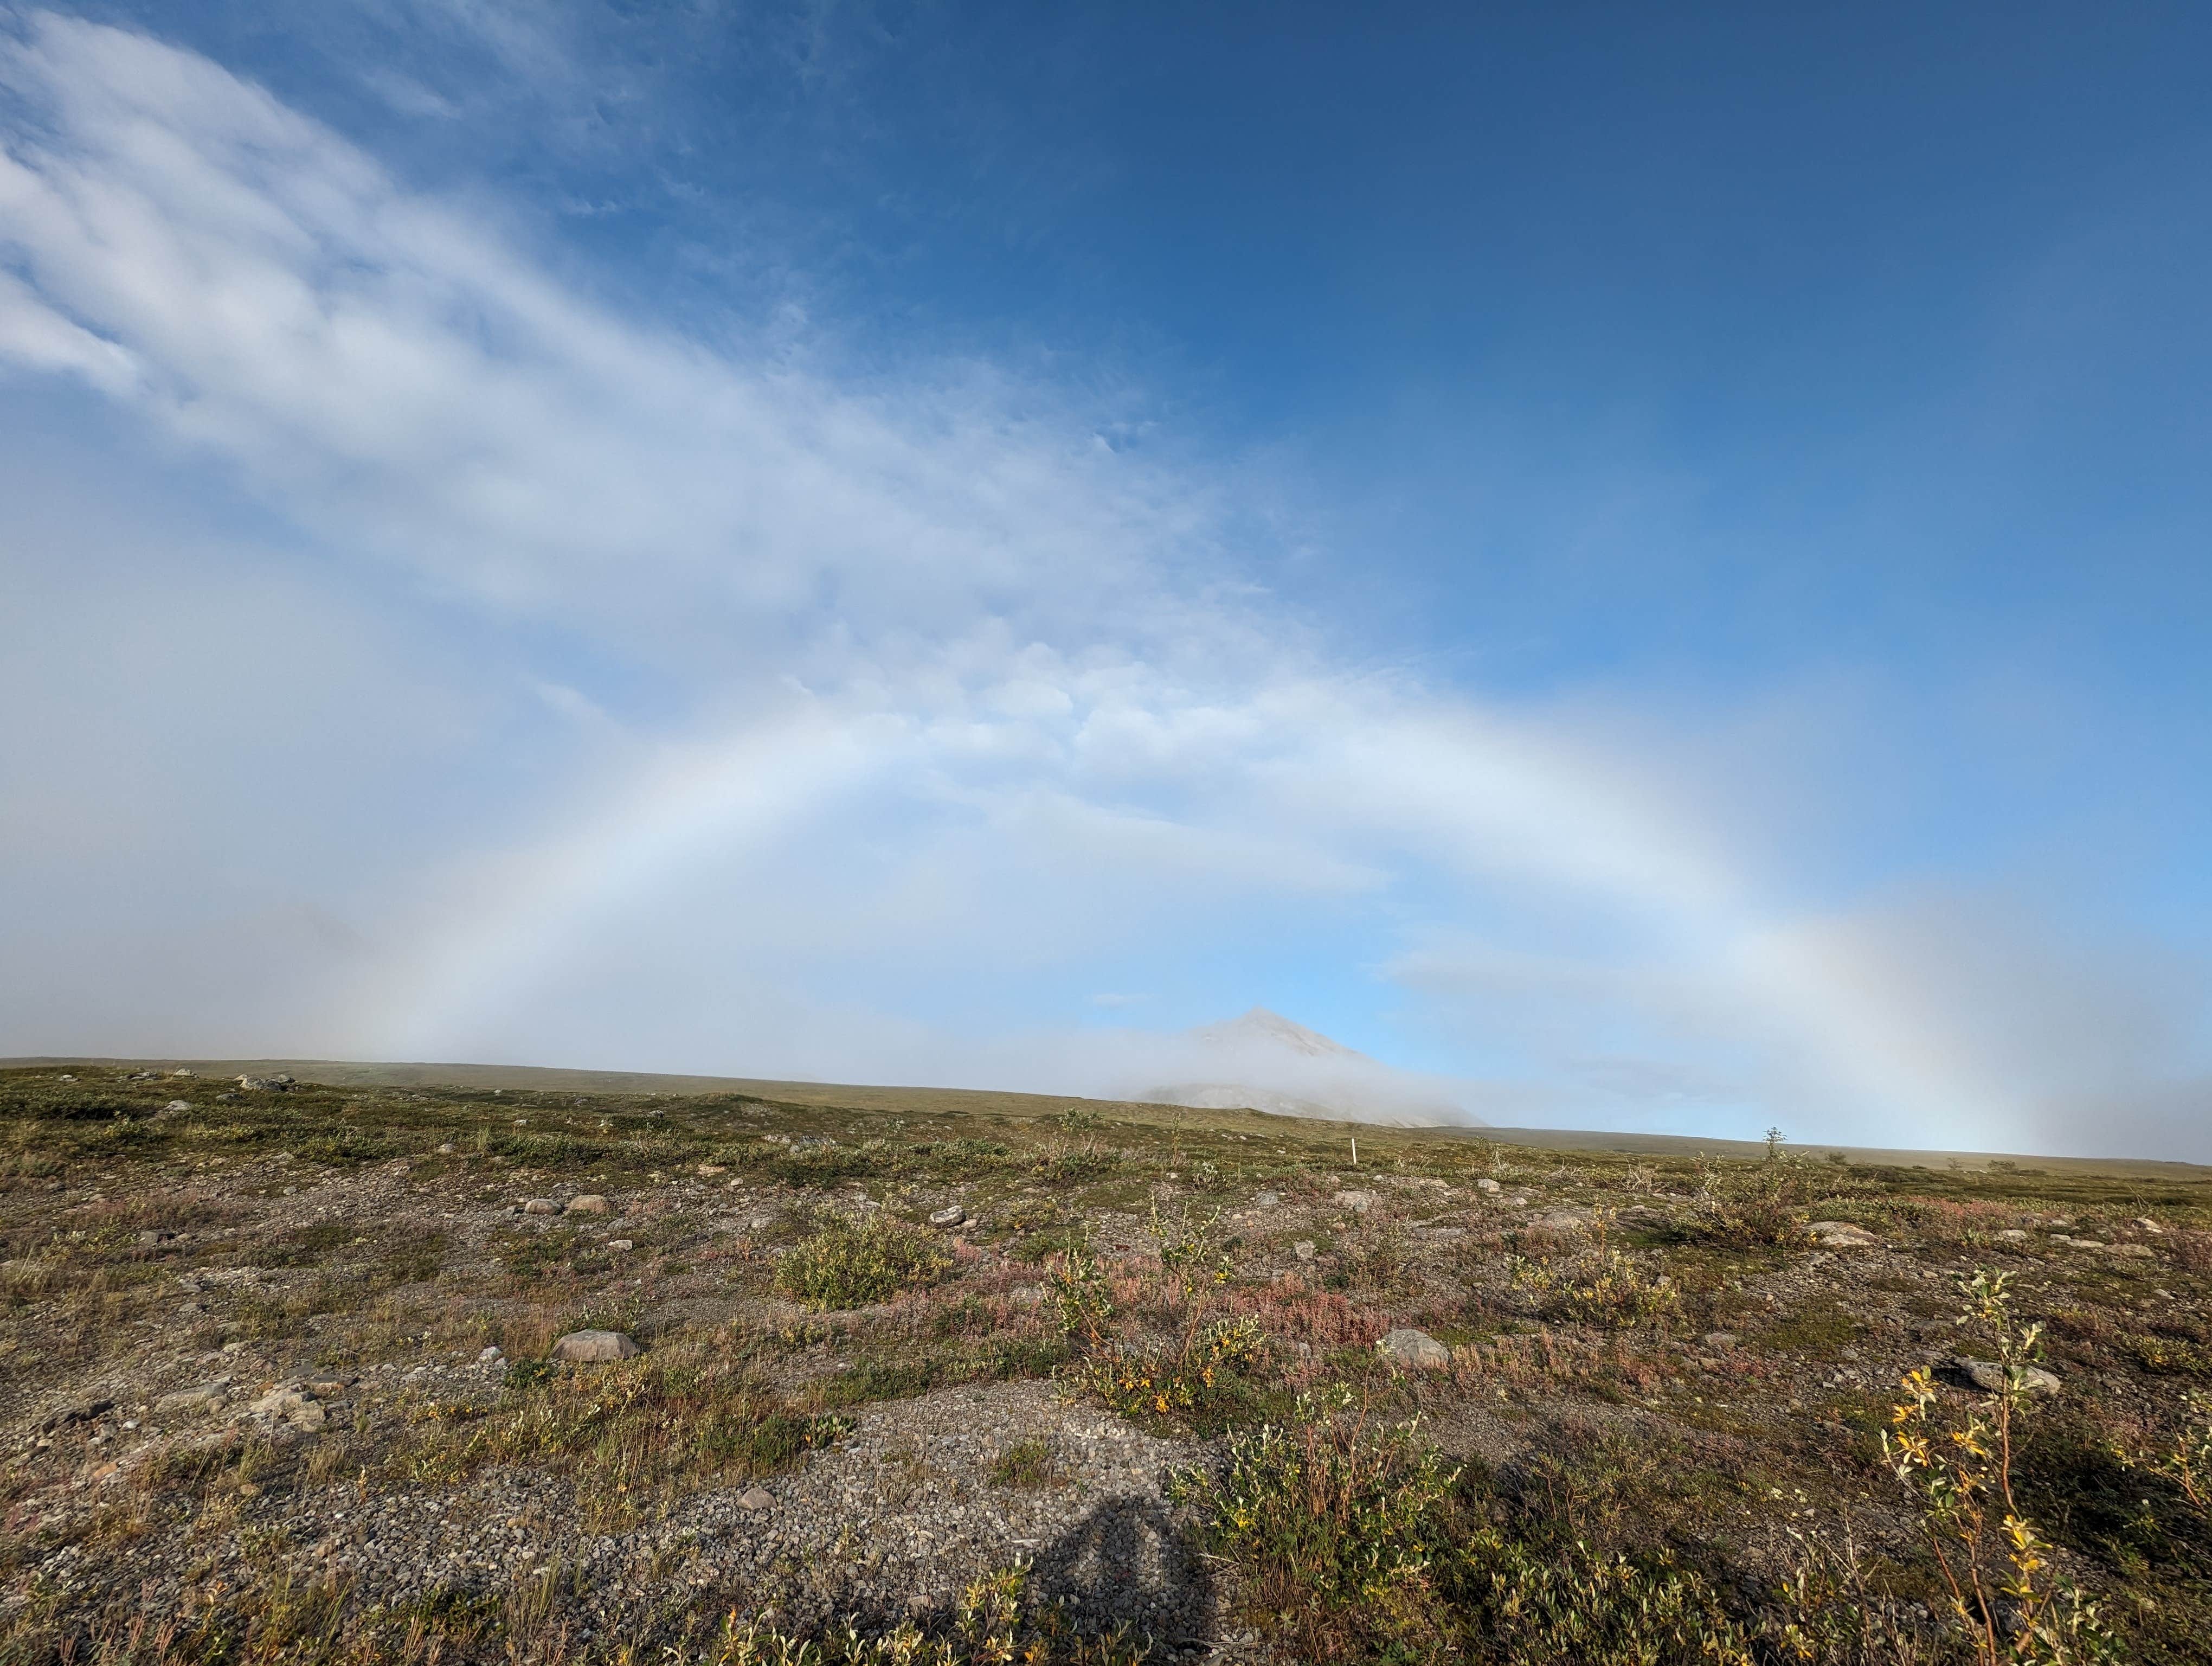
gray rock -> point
(588, 1347)
(179, 1104)
(1842, 1235)
(1359, 1202)
(1304, 1250)
(1989, 1375)
(1488, 1186)
(541, 1205)
(589, 1203)
(1266, 1200)
(951, 1215)
(1416, 1349)
(756, 1498)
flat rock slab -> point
(1561, 1221)
(591, 1347)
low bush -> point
(847, 1264)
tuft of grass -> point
(1025, 1463)
(849, 1264)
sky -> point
(1648, 568)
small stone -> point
(1842, 1235)
(1358, 1202)
(1488, 1186)
(951, 1215)
(2013, 1235)
(1266, 1200)
(179, 1104)
(541, 1205)
(589, 1348)
(1718, 1339)
(589, 1203)
(489, 1355)
(1416, 1348)
(620, 1243)
(1304, 1250)
(1989, 1375)
(2152, 1227)
(756, 1498)
(447, 1149)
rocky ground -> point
(280, 1368)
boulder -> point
(1989, 1375)
(591, 1347)
(1415, 1349)
(589, 1203)
(1844, 1235)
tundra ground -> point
(276, 1384)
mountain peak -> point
(1261, 1027)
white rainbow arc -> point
(1481, 795)
(691, 801)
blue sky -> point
(1650, 570)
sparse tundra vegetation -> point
(296, 1372)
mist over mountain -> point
(1266, 1062)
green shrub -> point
(847, 1264)
(1358, 1544)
